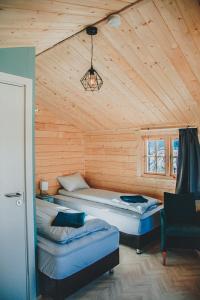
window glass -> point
(161, 147)
(161, 165)
(155, 156)
(151, 145)
(175, 145)
(151, 164)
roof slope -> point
(150, 67)
(43, 23)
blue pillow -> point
(134, 199)
(65, 219)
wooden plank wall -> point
(59, 149)
(111, 163)
(108, 160)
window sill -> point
(158, 176)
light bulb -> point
(92, 80)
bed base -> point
(139, 242)
(60, 289)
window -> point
(160, 156)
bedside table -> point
(48, 198)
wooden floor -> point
(142, 277)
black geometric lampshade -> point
(92, 81)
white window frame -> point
(168, 156)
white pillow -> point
(73, 182)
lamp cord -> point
(91, 50)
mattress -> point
(126, 221)
(46, 213)
(111, 198)
(59, 261)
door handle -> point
(13, 195)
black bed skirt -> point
(140, 241)
(60, 289)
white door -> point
(13, 230)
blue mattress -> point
(59, 261)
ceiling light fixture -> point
(114, 21)
(91, 81)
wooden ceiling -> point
(150, 67)
(43, 23)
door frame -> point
(27, 84)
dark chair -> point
(180, 223)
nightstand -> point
(48, 198)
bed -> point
(138, 224)
(65, 267)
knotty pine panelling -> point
(59, 149)
(111, 163)
(150, 66)
(43, 23)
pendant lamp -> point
(91, 81)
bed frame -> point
(139, 242)
(60, 289)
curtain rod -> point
(167, 128)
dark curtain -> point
(188, 169)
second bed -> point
(139, 225)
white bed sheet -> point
(126, 221)
(111, 198)
(59, 261)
